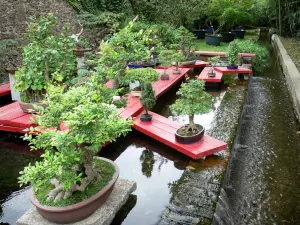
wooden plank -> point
(163, 130)
(23, 121)
(6, 107)
(12, 129)
(204, 76)
(210, 53)
(239, 70)
(4, 89)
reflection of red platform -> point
(163, 130)
(4, 89)
(239, 70)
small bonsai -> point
(148, 101)
(213, 61)
(192, 100)
(177, 57)
(232, 53)
(47, 59)
(68, 164)
(165, 59)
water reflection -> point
(147, 162)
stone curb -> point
(290, 71)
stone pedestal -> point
(15, 95)
(102, 216)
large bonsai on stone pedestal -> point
(192, 100)
(69, 172)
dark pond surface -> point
(152, 165)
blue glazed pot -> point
(239, 33)
(232, 67)
(200, 33)
(135, 65)
(213, 39)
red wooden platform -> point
(240, 70)
(12, 118)
(204, 76)
(163, 130)
(209, 53)
(198, 64)
(4, 89)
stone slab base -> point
(102, 216)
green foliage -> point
(91, 121)
(165, 57)
(186, 42)
(262, 55)
(147, 161)
(232, 53)
(143, 75)
(192, 99)
(124, 47)
(47, 59)
(148, 99)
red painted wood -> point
(210, 53)
(198, 64)
(109, 84)
(12, 129)
(241, 70)
(163, 130)
(246, 55)
(204, 76)
(4, 89)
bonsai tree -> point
(165, 59)
(186, 43)
(213, 61)
(90, 121)
(192, 100)
(148, 101)
(232, 53)
(48, 58)
(177, 57)
(143, 75)
(124, 47)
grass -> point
(107, 172)
(292, 45)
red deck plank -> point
(204, 76)
(4, 89)
(163, 130)
(210, 53)
(12, 129)
(240, 70)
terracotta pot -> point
(11, 71)
(79, 211)
(80, 52)
(190, 139)
(135, 93)
(176, 71)
(28, 107)
(165, 77)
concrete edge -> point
(290, 71)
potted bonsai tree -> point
(213, 61)
(186, 43)
(177, 57)
(142, 76)
(148, 101)
(70, 182)
(47, 59)
(123, 48)
(192, 100)
(232, 55)
(165, 59)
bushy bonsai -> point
(122, 48)
(213, 61)
(90, 121)
(148, 100)
(47, 59)
(232, 53)
(143, 75)
(165, 60)
(186, 43)
(192, 100)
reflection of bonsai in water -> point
(147, 161)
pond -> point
(151, 164)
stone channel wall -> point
(290, 71)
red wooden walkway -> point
(12, 118)
(220, 71)
(163, 130)
(4, 89)
(209, 53)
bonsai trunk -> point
(192, 126)
(91, 175)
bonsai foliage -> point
(90, 121)
(192, 100)
(232, 53)
(148, 99)
(213, 62)
(165, 58)
(186, 43)
(177, 57)
(143, 75)
(47, 59)
(124, 47)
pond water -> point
(151, 164)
